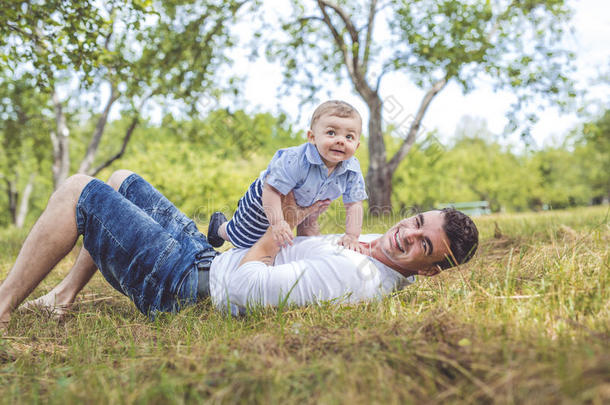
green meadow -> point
(527, 321)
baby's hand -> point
(282, 234)
(350, 242)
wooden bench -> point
(471, 208)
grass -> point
(527, 321)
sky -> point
(590, 40)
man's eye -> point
(424, 246)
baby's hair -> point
(336, 108)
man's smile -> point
(398, 244)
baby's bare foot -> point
(50, 304)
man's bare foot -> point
(50, 304)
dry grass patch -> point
(527, 321)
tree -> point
(514, 43)
(593, 148)
(235, 133)
(130, 51)
(24, 138)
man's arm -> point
(309, 226)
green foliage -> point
(561, 180)
(24, 127)
(24, 118)
(476, 167)
(205, 166)
(175, 58)
(235, 133)
(56, 35)
(132, 50)
(515, 44)
(593, 150)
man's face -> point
(416, 243)
(336, 138)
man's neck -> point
(373, 249)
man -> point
(151, 252)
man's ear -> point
(429, 271)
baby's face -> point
(336, 138)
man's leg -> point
(52, 237)
(59, 300)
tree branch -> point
(126, 138)
(134, 123)
(346, 20)
(384, 70)
(352, 62)
(303, 20)
(415, 125)
(405, 147)
(61, 150)
(87, 161)
(351, 29)
(369, 34)
(338, 37)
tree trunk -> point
(379, 189)
(380, 172)
(13, 195)
(60, 141)
(24, 204)
(379, 177)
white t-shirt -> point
(313, 269)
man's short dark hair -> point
(463, 238)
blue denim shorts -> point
(142, 244)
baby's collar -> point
(313, 157)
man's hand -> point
(351, 242)
(310, 226)
(282, 233)
(294, 215)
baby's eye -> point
(350, 137)
(331, 132)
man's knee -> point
(71, 188)
(116, 179)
